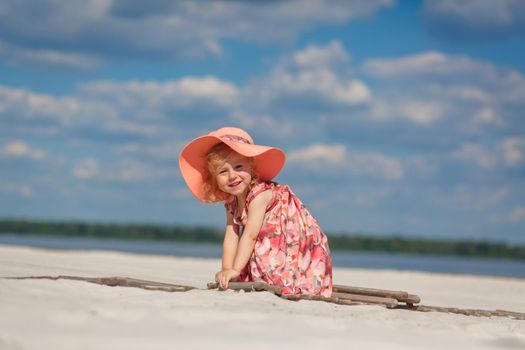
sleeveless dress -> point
(291, 250)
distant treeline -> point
(393, 244)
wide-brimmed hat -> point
(192, 159)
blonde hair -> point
(215, 158)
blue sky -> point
(396, 117)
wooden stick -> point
(297, 297)
(339, 298)
(368, 299)
(412, 299)
(471, 312)
(118, 281)
(248, 287)
(399, 295)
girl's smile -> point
(235, 175)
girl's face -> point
(234, 176)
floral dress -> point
(291, 250)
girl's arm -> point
(229, 245)
(256, 212)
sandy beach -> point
(66, 314)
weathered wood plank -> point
(118, 281)
(368, 299)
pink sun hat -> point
(192, 159)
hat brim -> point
(192, 161)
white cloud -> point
(487, 116)
(130, 170)
(321, 56)
(461, 77)
(183, 92)
(317, 73)
(31, 106)
(465, 95)
(208, 88)
(323, 83)
(513, 149)
(129, 108)
(178, 29)
(168, 150)
(429, 63)
(47, 57)
(475, 198)
(20, 149)
(475, 154)
(376, 165)
(418, 111)
(518, 214)
(124, 170)
(319, 156)
(336, 159)
(265, 124)
(86, 168)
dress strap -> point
(258, 189)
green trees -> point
(393, 244)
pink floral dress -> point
(291, 250)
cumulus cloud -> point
(183, 92)
(319, 155)
(142, 109)
(265, 124)
(317, 74)
(416, 109)
(438, 64)
(86, 168)
(475, 154)
(459, 93)
(475, 198)
(376, 164)
(125, 170)
(20, 149)
(48, 58)
(510, 152)
(474, 20)
(513, 149)
(315, 56)
(82, 32)
(16, 104)
(163, 151)
(331, 159)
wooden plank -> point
(369, 299)
(412, 299)
(248, 286)
(399, 295)
(118, 281)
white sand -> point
(65, 314)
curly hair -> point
(214, 159)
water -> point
(445, 264)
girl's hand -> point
(218, 276)
(224, 277)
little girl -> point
(270, 236)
